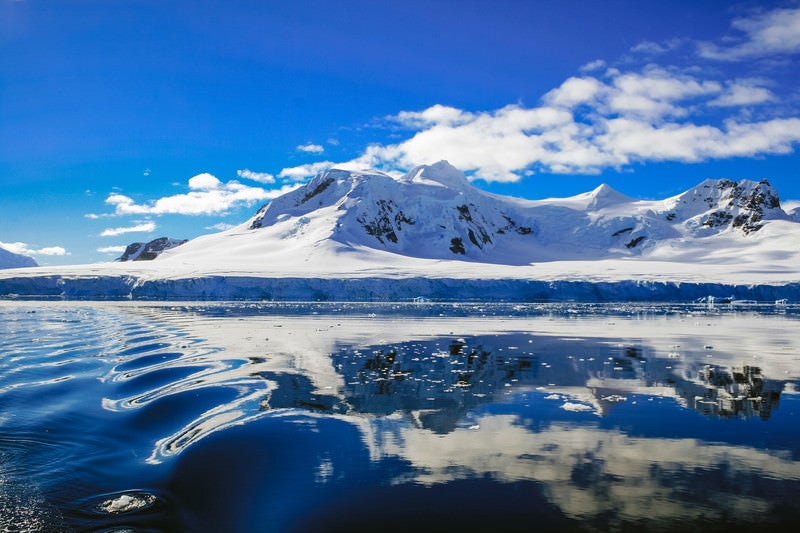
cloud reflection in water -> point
(488, 398)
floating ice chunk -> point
(127, 503)
(577, 407)
(614, 398)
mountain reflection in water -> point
(249, 419)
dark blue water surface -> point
(398, 417)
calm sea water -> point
(346, 417)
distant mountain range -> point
(430, 233)
(11, 260)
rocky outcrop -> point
(147, 251)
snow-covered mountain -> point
(147, 251)
(433, 212)
(11, 260)
(368, 235)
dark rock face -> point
(635, 241)
(743, 207)
(258, 221)
(386, 223)
(140, 251)
(317, 189)
(620, 232)
(477, 233)
(718, 218)
(457, 246)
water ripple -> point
(203, 389)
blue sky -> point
(127, 120)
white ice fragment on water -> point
(614, 398)
(577, 407)
(552, 397)
(126, 503)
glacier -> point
(383, 289)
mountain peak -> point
(720, 203)
(441, 173)
(601, 197)
(603, 190)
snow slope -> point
(367, 235)
(11, 260)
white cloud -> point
(300, 173)
(574, 92)
(208, 195)
(649, 47)
(656, 93)
(24, 249)
(743, 93)
(436, 114)
(50, 250)
(777, 136)
(111, 249)
(766, 33)
(311, 148)
(221, 226)
(653, 48)
(144, 227)
(204, 182)
(597, 64)
(490, 144)
(630, 140)
(260, 177)
(588, 124)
